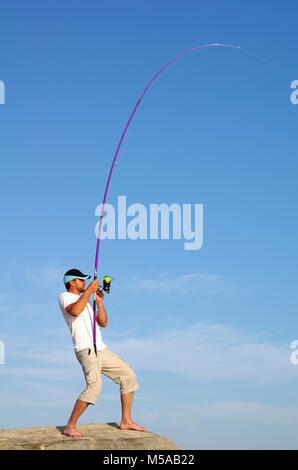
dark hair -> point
(67, 286)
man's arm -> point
(101, 317)
(77, 307)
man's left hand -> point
(99, 295)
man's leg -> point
(121, 373)
(70, 429)
(91, 369)
(126, 421)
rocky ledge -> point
(106, 436)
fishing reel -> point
(106, 285)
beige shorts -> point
(109, 364)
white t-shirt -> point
(81, 327)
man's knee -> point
(129, 382)
(91, 394)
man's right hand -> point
(93, 286)
(77, 307)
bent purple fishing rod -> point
(115, 158)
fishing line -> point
(115, 159)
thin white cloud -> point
(182, 284)
(6, 302)
(200, 351)
(195, 414)
(209, 353)
(245, 411)
(4, 297)
(205, 351)
(48, 275)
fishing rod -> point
(112, 168)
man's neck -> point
(73, 291)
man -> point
(78, 315)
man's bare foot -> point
(71, 431)
(132, 426)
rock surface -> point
(106, 436)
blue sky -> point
(208, 332)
